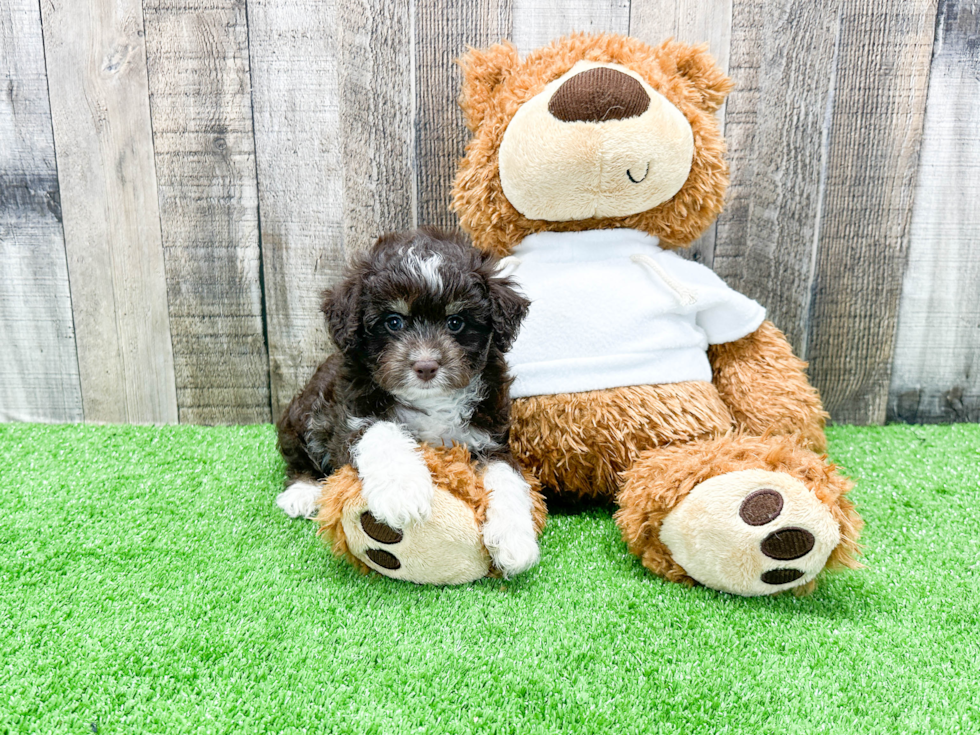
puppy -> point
(421, 323)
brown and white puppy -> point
(421, 323)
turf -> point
(149, 584)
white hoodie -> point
(610, 308)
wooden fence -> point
(180, 178)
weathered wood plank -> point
(710, 22)
(377, 79)
(96, 64)
(363, 103)
(783, 60)
(197, 56)
(38, 361)
(935, 375)
(538, 22)
(879, 101)
(444, 29)
(706, 21)
(293, 52)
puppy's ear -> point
(341, 305)
(508, 309)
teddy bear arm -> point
(765, 386)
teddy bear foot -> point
(445, 549)
(751, 532)
(448, 547)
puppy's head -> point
(423, 312)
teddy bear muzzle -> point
(598, 141)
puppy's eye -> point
(394, 323)
(455, 323)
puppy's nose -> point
(426, 369)
(598, 95)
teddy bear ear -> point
(700, 69)
(483, 70)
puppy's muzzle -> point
(426, 370)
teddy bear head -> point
(593, 131)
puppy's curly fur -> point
(421, 323)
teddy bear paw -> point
(445, 549)
(752, 532)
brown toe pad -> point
(788, 543)
(383, 558)
(761, 507)
(379, 531)
(781, 576)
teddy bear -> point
(641, 377)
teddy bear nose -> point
(598, 95)
(426, 369)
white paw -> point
(399, 499)
(513, 546)
(395, 481)
(509, 529)
(300, 499)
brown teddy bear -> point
(640, 376)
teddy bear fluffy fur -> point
(647, 446)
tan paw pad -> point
(446, 549)
(752, 532)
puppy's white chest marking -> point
(441, 420)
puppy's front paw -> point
(395, 481)
(508, 532)
(399, 499)
(512, 546)
(300, 499)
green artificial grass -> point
(148, 584)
